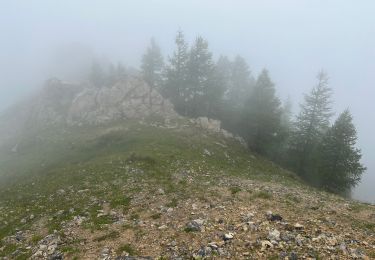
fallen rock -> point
(195, 225)
(228, 236)
(274, 235)
(273, 217)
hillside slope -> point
(143, 188)
(115, 173)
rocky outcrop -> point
(214, 126)
(70, 103)
(132, 98)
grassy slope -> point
(114, 164)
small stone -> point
(195, 225)
(274, 235)
(266, 245)
(61, 192)
(205, 251)
(299, 240)
(160, 191)
(228, 236)
(298, 226)
(162, 227)
(207, 152)
(213, 245)
(248, 217)
(293, 256)
(343, 247)
(273, 217)
(332, 241)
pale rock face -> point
(127, 99)
(209, 124)
(61, 102)
(214, 126)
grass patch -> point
(262, 195)
(357, 207)
(173, 203)
(364, 225)
(8, 249)
(134, 216)
(35, 239)
(141, 158)
(234, 190)
(69, 250)
(292, 198)
(189, 229)
(120, 201)
(126, 248)
(156, 216)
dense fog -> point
(292, 39)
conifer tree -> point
(224, 70)
(339, 160)
(177, 73)
(310, 126)
(240, 79)
(262, 115)
(152, 66)
(200, 93)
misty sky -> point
(293, 39)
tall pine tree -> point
(241, 82)
(177, 74)
(310, 126)
(339, 167)
(262, 115)
(152, 66)
(200, 92)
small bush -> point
(234, 190)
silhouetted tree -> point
(200, 79)
(240, 82)
(339, 160)
(152, 66)
(310, 126)
(177, 74)
(262, 115)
